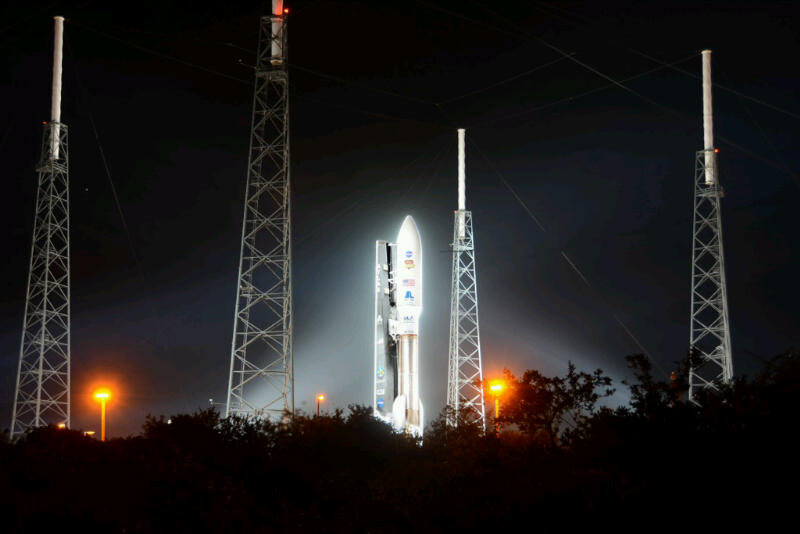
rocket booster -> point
(398, 306)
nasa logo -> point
(409, 253)
(380, 402)
(381, 372)
(409, 264)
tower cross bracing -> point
(709, 336)
(43, 376)
(262, 371)
(465, 372)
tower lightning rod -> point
(55, 103)
(462, 187)
(708, 121)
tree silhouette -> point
(547, 408)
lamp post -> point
(102, 396)
(320, 398)
(496, 387)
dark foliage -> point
(561, 464)
(549, 408)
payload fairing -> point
(398, 306)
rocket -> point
(398, 307)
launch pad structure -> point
(261, 380)
(42, 394)
(465, 397)
(709, 330)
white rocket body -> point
(398, 306)
(407, 407)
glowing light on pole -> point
(320, 398)
(102, 396)
(496, 387)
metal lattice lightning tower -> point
(465, 372)
(709, 331)
(43, 377)
(261, 379)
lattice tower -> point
(261, 381)
(42, 394)
(465, 371)
(709, 331)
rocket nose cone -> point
(408, 231)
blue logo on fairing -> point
(380, 402)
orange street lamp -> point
(102, 396)
(320, 398)
(496, 387)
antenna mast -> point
(709, 330)
(261, 381)
(465, 371)
(42, 394)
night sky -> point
(560, 161)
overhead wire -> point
(21, 21)
(566, 258)
(572, 264)
(158, 53)
(501, 82)
(767, 140)
(574, 97)
(585, 21)
(360, 86)
(162, 326)
(106, 167)
(619, 83)
(214, 72)
(723, 87)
